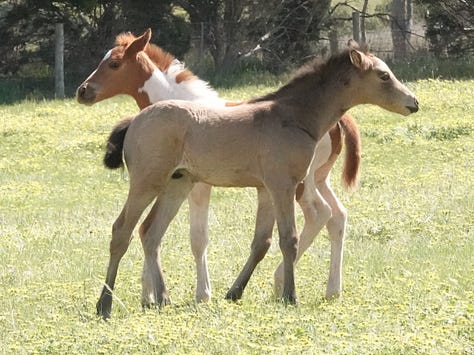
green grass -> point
(409, 261)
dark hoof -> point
(103, 310)
(104, 304)
(289, 300)
(162, 301)
(234, 294)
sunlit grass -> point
(408, 270)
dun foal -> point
(267, 143)
(149, 74)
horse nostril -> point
(82, 90)
(413, 109)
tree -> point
(290, 29)
(281, 31)
(402, 13)
(223, 28)
(450, 26)
(90, 26)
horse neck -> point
(170, 85)
(327, 112)
(314, 106)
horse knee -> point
(337, 223)
(324, 211)
(143, 229)
(199, 245)
(289, 245)
(260, 248)
(120, 238)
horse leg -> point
(316, 214)
(336, 228)
(154, 291)
(198, 200)
(260, 244)
(284, 207)
(121, 237)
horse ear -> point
(360, 60)
(352, 43)
(139, 44)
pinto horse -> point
(149, 74)
(267, 143)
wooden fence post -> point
(59, 62)
(356, 26)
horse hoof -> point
(234, 294)
(103, 311)
(204, 297)
(333, 295)
(163, 300)
(289, 300)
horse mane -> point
(315, 73)
(161, 58)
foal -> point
(149, 74)
(267, 143)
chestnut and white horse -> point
(149, 74)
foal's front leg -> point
(316, 214)
(261, 242)
(166, 206)
(284, 206)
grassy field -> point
(409, 261)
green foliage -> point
(408, 265)
(429, 67)
(449, 26)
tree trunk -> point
(362, 22)
(356, 26)
(59, 62)
(398, 26)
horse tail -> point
(114, 149)
(350, 170)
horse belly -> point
(222, 161)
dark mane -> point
(314, 74)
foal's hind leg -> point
(316, 213)
(166, 206)
(198, 218)
(260, 244)
(121, 236)
(336, 228)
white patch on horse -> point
(163, 86)
(90, 76)
(324, 148)
(107, 55)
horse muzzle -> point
(85, 94)
(413, 108)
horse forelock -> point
(124, 39)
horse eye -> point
(114, 65)
(384, 76)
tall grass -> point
(408, 266)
